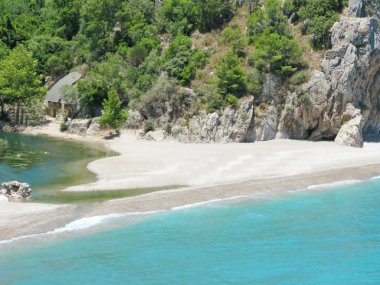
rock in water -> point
(15, 190)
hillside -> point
(201, 71)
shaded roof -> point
(55, 94)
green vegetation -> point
(275, 49)
(19, 81)
(231, 76)
(114, 115)
(319, 16)
(220, 48)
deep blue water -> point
(311, 237)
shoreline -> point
(20, 219)
(47, 219)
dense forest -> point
(133, 50)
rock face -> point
(363, 8)
(233, 124)
(340, 101)
(349, 75)
(16, 191)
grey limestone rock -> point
(158, 135)
(135, 120)
(94, 127)
(350, 134)
(78, 126)
(15, 190)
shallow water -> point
(310, 237)
(46, 163)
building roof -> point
(55, 94)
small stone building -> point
(54, 98)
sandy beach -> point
(206, 172)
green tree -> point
(231, 77)
(270, 19)
(276, 53)
(19, 81)
(68, 21)
(213, 13)
(114, 114)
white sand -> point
(145, 164)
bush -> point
(320, 16)
(254, 82)
(63, 127)
(210, 98)
(231, 77)
(162, 90)
(232, 99)
(300, 77)
(304, 98)
(149, 127)
(270, 19)
(196, 61)
(276, 53)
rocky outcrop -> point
(158, 136)
(363, 8)
(350, 134)
(16, 191)
(94, 127)
(340, 101)
(83, 127)
(135, 120)
(233, 124)
(78, 126)
(349, 75)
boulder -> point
(135, 120)
(94, 127)
(158, 135)
(15, 190)
(350, 134)
(78, 126)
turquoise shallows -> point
(45, 163)
(311, 237)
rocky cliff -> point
(339, 102)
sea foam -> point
(80, 224)
(333, 184)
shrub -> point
(114, 114)
(304, 98)
(232, 99)
(149, 127)
(276, 53)
(231, 77)
(210, 98)
(63, 127)
(254, 82)
(320, 16)
(162, 90)
(270, 18)
(300, 77)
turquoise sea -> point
(303, 237)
